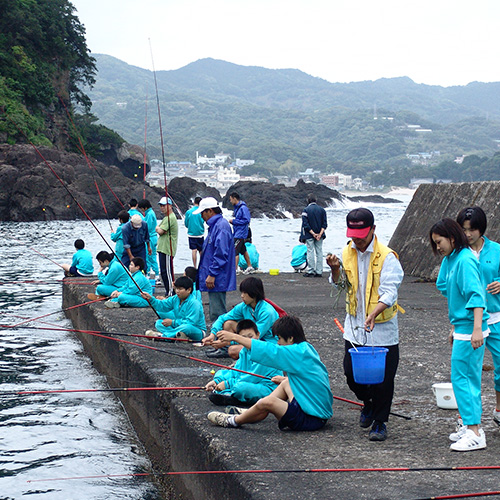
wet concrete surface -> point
(177, 435)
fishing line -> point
(34, 250)
(116, 389)
(290, 471)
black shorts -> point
(74, 272)
(239, 246)
(297, 420)
(195, 243)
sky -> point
(436, 42)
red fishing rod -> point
(289, 471)
(117, 389)
(34, 250)
(145, 144)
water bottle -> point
(152, 280)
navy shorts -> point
(74, 271)
(195, 243)
(239, 246)
(296, 420)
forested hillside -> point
(288, 121)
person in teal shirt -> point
(459, 280)
(130, 295)
(134, 210)
(303, 400)
(195, 230)
(81, 265)
(233, 387)
(117, 237)
(254, 307)
(181, 316)
(150, 217)
(473, 221)
(115, 278)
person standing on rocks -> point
(372, 275)
(195, 229)
(167, 244)
(240, 223)
(216, 272)
(314, 224)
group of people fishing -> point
(278, 372)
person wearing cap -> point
(149, 215)
(135, 235)
(374, 275)
(167, 244)
(195, 229)
(216, 271)
(314, 224)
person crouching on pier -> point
(231, 387)
(112, 276)
(129, 295)
(459, 280)
(303, 400)
(182, 314)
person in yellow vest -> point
(371, 274)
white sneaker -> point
(459, 431)
(219, 418)
(238, 271)
(470, 442)
(496, 416)
(249, 270)
(111, 305)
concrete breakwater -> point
(432, 202)
(178, 437)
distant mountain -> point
(287, 120)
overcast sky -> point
(437, 42)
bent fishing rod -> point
(284, 471)
(80, 207)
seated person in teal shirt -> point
(129, 295)
(81, 264)
(112, 276)
(233, 387)
(303, 400)
(182, 315)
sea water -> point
(66, 435)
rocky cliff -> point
(432, 202)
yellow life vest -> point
(350, 263)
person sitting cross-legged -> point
(233, 387)
(112, 275)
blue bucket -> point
(368, 364)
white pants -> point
(314, 256)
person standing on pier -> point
(167, 244)
(240, 223)
(314, 224)
(195, 229)
(374, 275)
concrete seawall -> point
(178, 437)
(432, 202)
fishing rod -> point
(145, 145)
(34, 250)
(40, 282)
(80, 207)
(281, 471)
(463, 495)
(55, 312)
(117, 389)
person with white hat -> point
(167, 244)
(135, 236)
(217, 270)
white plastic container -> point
(445, 397)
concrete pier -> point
(178, 437)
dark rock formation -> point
(432, 202)
(274, 200)
(129, 158)
(374, 198)
(184, 190)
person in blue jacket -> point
(136, 237)
(254, 307)
(195, 230)
(216, 272)
(240, 222)
(474, 223)
(117, 236)
(181, 315)
(111, 275)
(303, 400)
(81, 265)
(129, 295)
(233, 387)
(149, 215)
(459, 280)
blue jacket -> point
(489, 260)
(134, 211)
(116, 275)
(152, 222)
(130, 289)
(189, 312)
(241, 219)
(217, 257)
(313, 217)
(135, 239)
(118, 239)
(263, 316)
(459, 280)
(307, 374)
(194, 223)
(82, 260)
